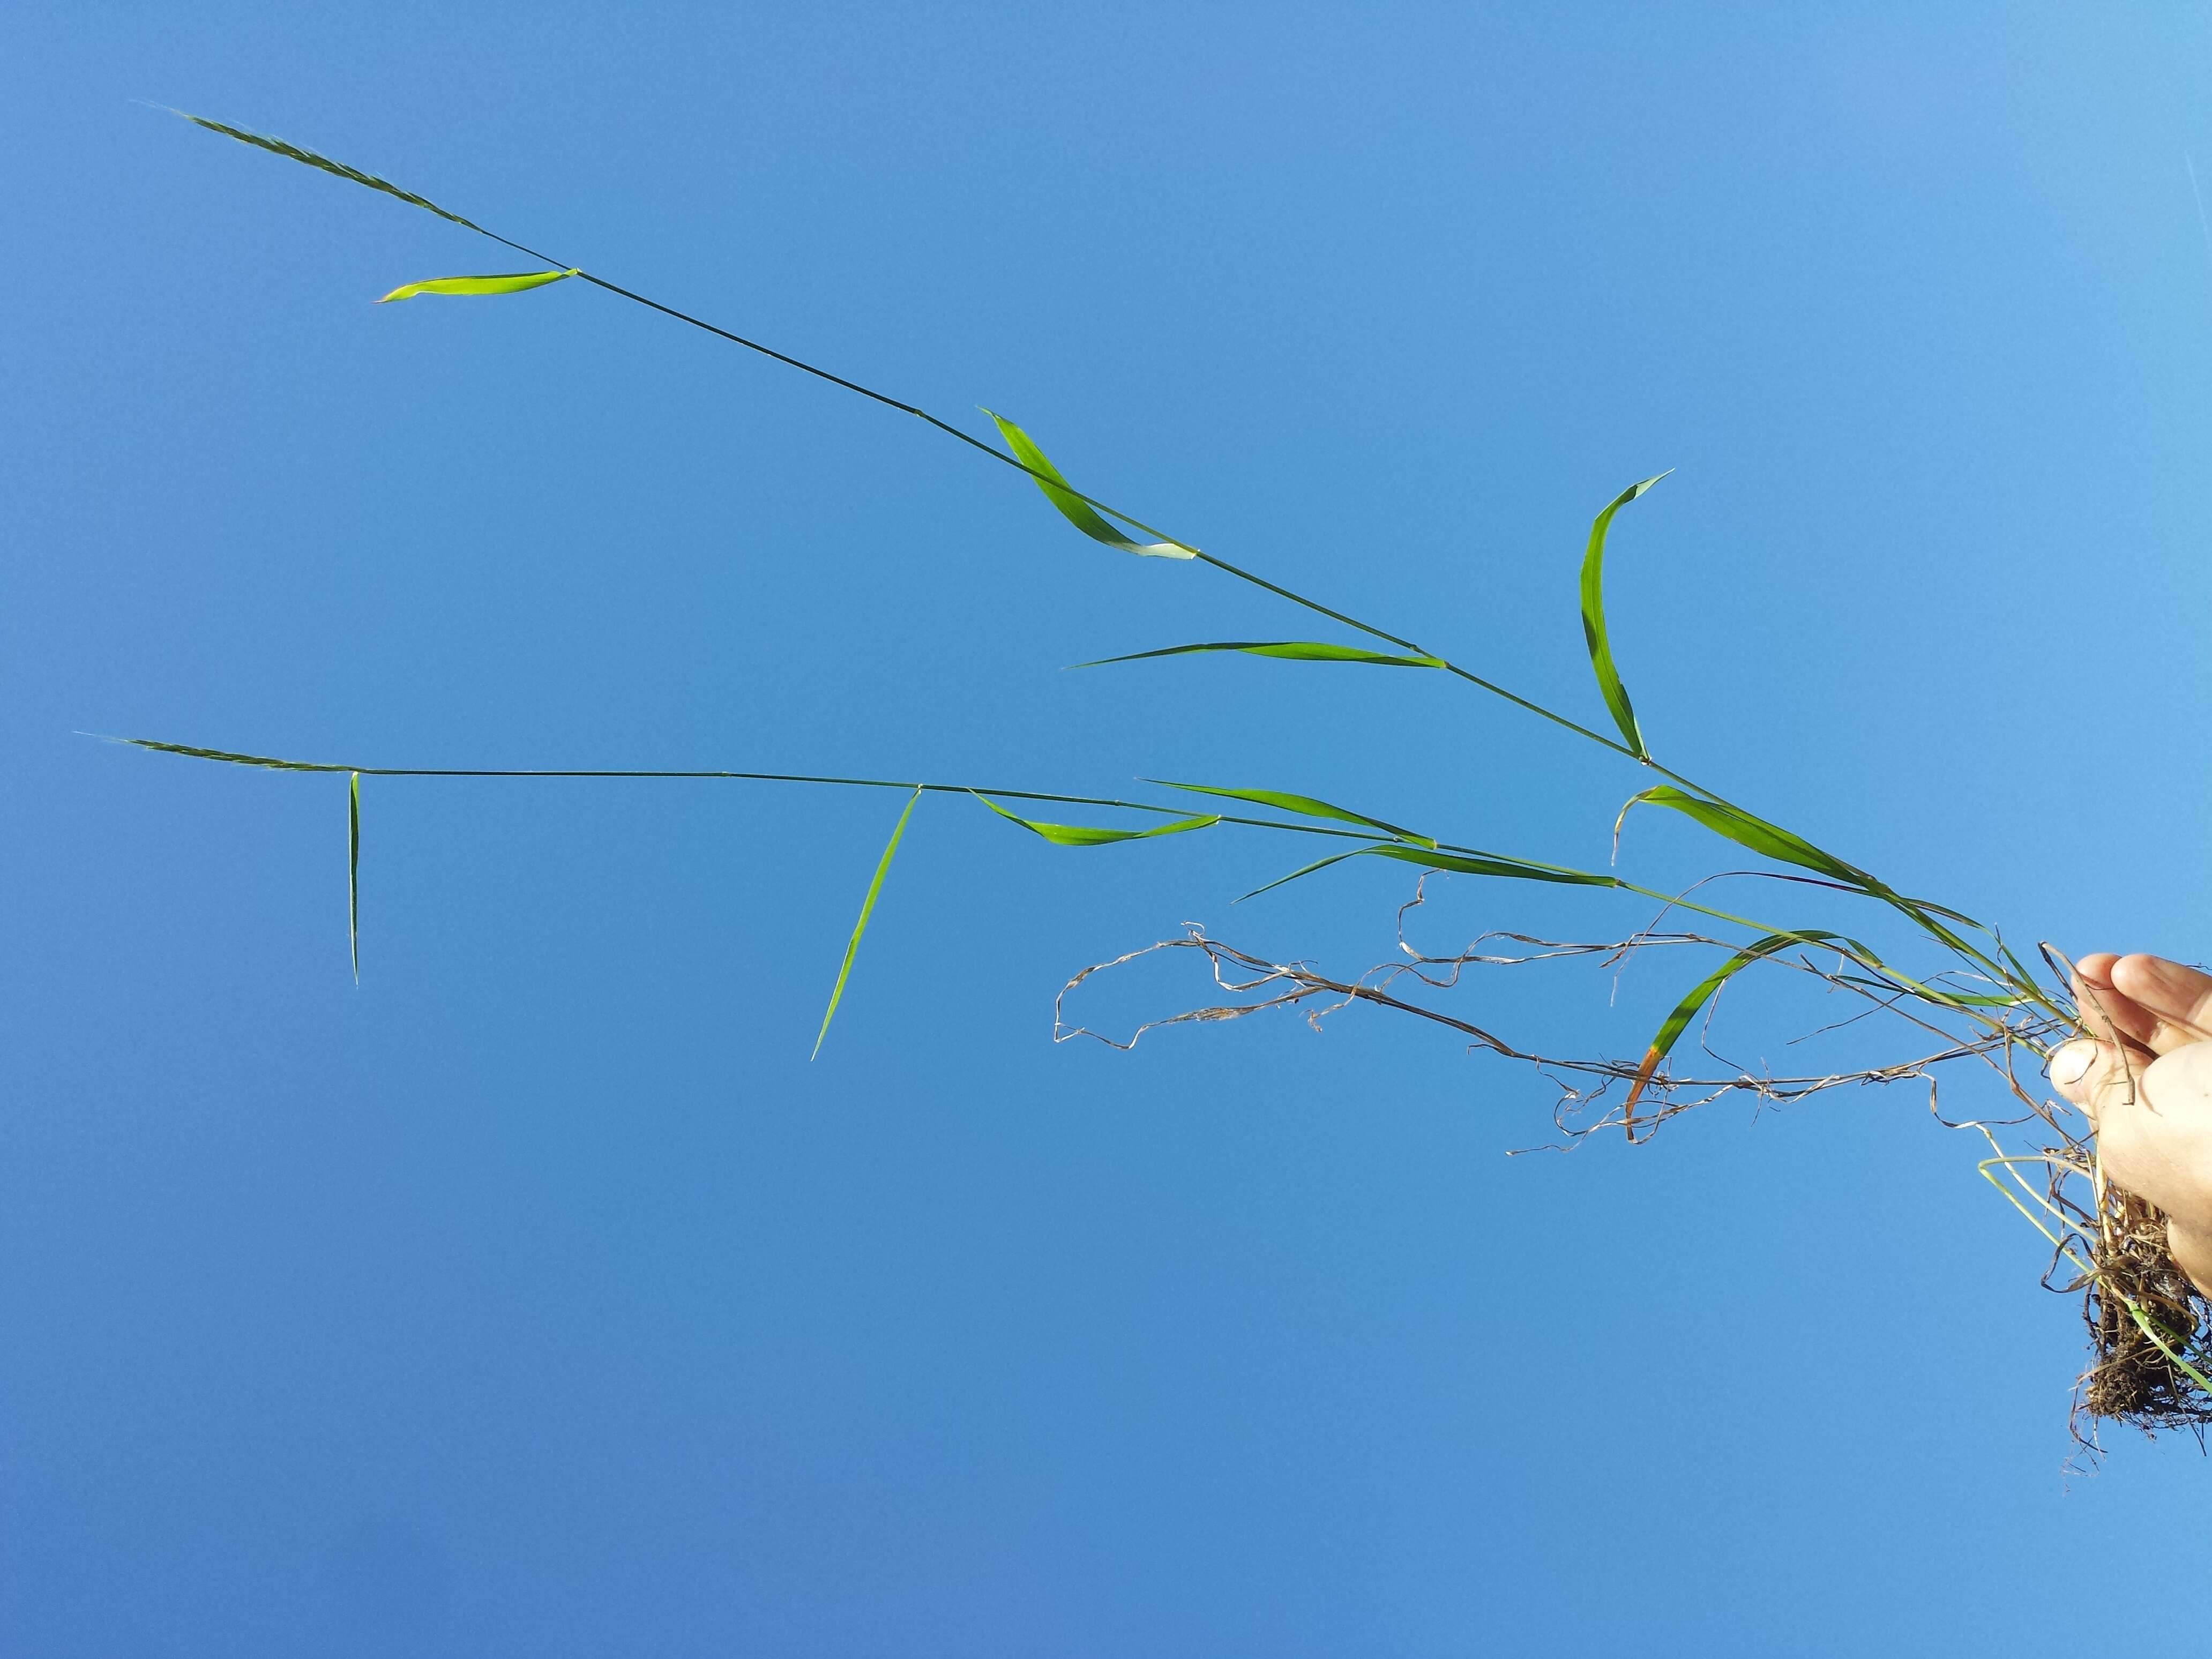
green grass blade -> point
(1463, 864)
(1304, 806)
(1073, 507)
(860, 927)
(353, 873)
(1304, 870)
(1084, 834)
(1593, 631)
(294, 153)
(1949, 998)
(1670, 1031)
(520, 283)
(1754, 834)
(1287, 650)
(1093, 517)
(1493, 864)
(1772, 840)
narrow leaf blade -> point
(1084, 834)
(353, 871)
(1286, 650)
(1302, 870)
(1755, 834)
(1494, 863)
(1594, 629)
(1671, 1028)
(1772, 840)
(860, 927)
(1303, 805)
(515, 283)
(1077, 511)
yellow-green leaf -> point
(860, 927)
(1084, 834)
(1078, 512)
(515, 283)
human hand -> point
(2146, 1082)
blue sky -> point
(538, 1296)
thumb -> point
(2071, 1064)
(2096, 1075)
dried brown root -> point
(2150, 1329)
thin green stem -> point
(232, 757)
(1876, 889)
(1879, 889)
(310, 158)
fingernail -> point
(2072, 1063)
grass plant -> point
(1953, 991)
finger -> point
(2079, 1071)
(2105, 1010)
(2178, 1000)
(2154, 1123)
(2097, 1076)
(2155, 1141)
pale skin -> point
(2147, 1086)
